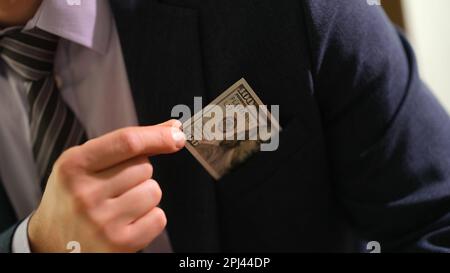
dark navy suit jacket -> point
(365, 150)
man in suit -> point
(364, 153)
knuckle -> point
(83, 198)
(98, 220)
(74, 157)
(63, 164)
(106, 213)
(118, 238)
(130, 142)
(67, 165)
(109, 233)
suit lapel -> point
(162, 53)
(7, 215)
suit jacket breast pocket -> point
(262, 165)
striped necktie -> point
(53, 126)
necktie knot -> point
(30, 54)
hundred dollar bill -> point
(230, 129)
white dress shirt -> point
(91, 76)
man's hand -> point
(101, 194)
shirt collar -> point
(88, 24)
(4, 31)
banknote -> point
(230, 129)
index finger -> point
(104, 152)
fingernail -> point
(178, 137)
